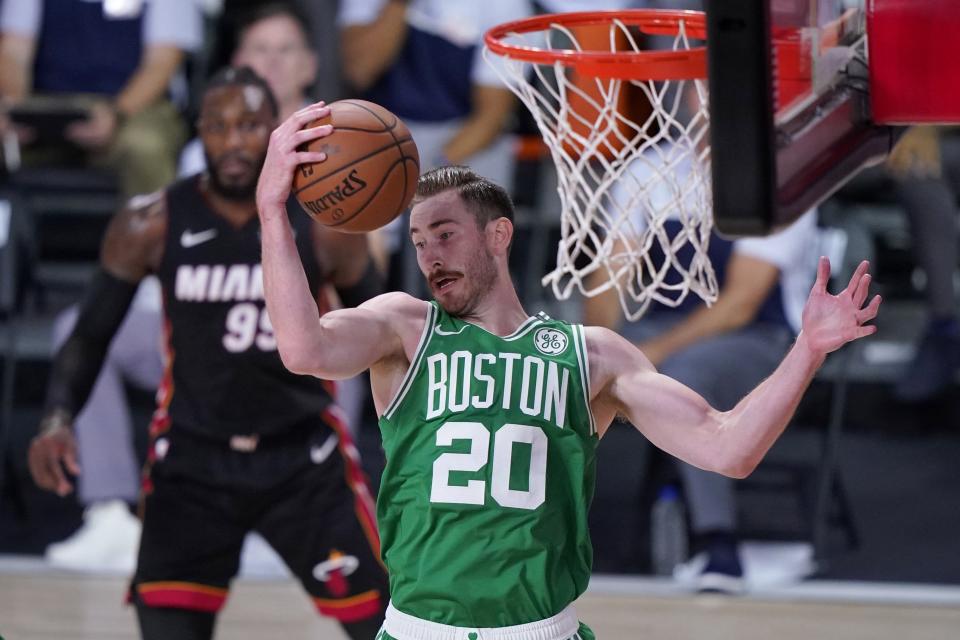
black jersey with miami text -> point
(225, 376)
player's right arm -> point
(131, 248)
(339, 344)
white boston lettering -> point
(485, 379)
(463, 380)
(460, 363)
(511, 358)
(437, 391)
(555, 402)
(531, 399)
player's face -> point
(235, 125)
(276, 49)
(452, 253)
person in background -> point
(925, 168)
(273, 40)
(115, 61)
(238, 443)
(422, 60)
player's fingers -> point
(870, 311)
(866, 330)
(855, 278)
(306, 157)
(312, 133)
(55, 471)
(70, 459)
(823, 275)
(308, 115)
(863, 289)
(38, 467)
(312, 107)
(49, 475)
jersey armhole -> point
(425, 336)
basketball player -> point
(239, 443)
(490, 417)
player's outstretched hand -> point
(283, 154)
(831, 321)
(52, 450)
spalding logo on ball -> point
(371, 170)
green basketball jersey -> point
(490, 447)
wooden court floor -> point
(65, 607)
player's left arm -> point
(348, 265)
(682, 423)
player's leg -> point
(193, 533)
(931, 206)
(163, 623)
(322, 525)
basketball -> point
(371, 170)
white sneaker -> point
(107, 542)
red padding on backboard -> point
(914, 60)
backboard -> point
(790, 111)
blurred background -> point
(861, 488)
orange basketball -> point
(371, 170)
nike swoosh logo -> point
(441, 332)
(321, 453)
(190, 239)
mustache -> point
(440, 275)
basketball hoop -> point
(621, 176)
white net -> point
(635, 194)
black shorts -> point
(305, 493)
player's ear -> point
(501, 234)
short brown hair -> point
(485, 199)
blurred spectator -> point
(925, 167)
(274, 40)
(113, 60)
(325, 41)
(422, 59)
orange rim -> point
(687, 64)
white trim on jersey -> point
(580, 346)
(519, 332)
(428, 326)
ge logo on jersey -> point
(550, 341)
